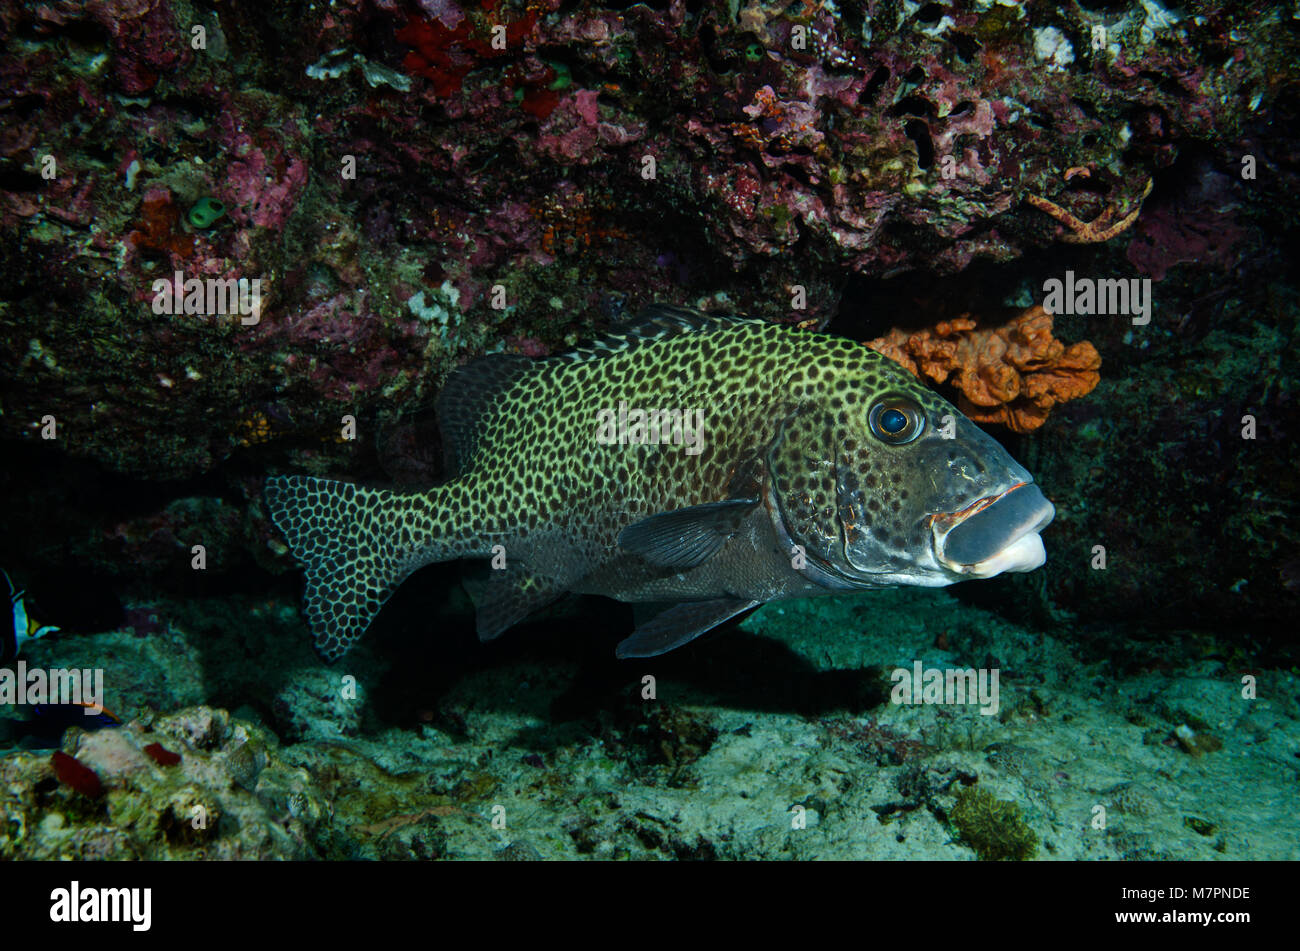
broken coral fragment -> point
(1011, 375)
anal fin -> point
(508, 596)
(679, 625)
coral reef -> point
(412, 187)
(546, 749)
(582, 159)
(1181, 428)
(122, 794)
(1013, 374)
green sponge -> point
(205, 213)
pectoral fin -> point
(688, 537)
(679, 625)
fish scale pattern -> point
(787, 404)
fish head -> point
(886, 483)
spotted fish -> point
(706, 461)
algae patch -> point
(994, 828)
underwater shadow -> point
(567, 651)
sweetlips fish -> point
(815, 466)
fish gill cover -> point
(656, 330)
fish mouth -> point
(995, 534)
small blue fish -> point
(78, 714)
(45, 728)
(24, 627)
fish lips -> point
(995, 534)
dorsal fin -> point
(466, 397)
(472, 389)
(654, 322)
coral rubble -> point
(124, 794)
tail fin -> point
(356, 546)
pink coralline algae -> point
(444, 11)
(597, 157)
(146, 38)
(1199, 226)
(340, 349)
(1164, 238)
(528, 346)
(261, 191)
(571, 133)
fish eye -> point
(896, 420)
